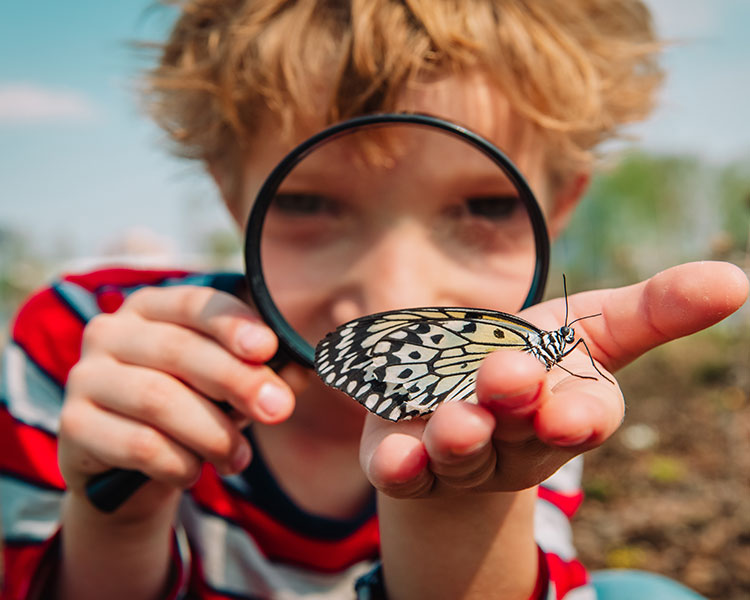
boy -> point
(277, 500)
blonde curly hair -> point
(578, 70)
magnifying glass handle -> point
(109, 490)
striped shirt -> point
(236, 537)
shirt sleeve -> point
(558, 500)
(31, 393)
(45, 343)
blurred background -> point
(85, 179)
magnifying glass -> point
(358, 217)
(389, 187)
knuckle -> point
(143, 446)
(137, 298)
(237, 379)
(98, 330)
(183, 471)
(73, 420)
(189, 301)
(153, 400)
(467, 476)
(220, 446)
(171, 352)
(78, 375)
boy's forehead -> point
(471, 100)
(468, 99)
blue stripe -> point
(30, 395)
(30, 513)
(70, 299)
(41, 370)
(226, 282)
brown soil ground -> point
(670, 493)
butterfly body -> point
(404, 363)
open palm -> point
(530, 421)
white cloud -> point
(29, 103)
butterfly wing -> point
(405, 363)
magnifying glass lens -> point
(395, 216)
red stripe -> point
(277, 541)
(23, 566)
(567, 502)
(107, 284)
(542, 578)
(565, 574)
(50, 333)
(122, 278)
(28, 452)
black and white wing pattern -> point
(405, 363)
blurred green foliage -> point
(651, 212)
(21, 270)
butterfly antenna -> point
(565, 294)
(582, 318)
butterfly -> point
(404, 363)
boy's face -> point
(429, 222)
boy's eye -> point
(494, 208)
(302, 204)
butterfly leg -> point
(593, 364)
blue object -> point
(625, 584)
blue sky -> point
(79, 164)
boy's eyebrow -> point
(467, 165)
(486, 179)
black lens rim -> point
(293, 345)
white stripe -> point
(83, 301)
(552, 530)
(183, 550)
(567, 478)
(234, 563)
(28, 512)
(585, 592)
(32, 398)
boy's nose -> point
(402, 269)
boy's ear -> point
(565, 198)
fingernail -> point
(241, 457)
(572, 440)
(468, 450)
(520, 399)
(251, 338)
(273, 400)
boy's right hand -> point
(143, 395)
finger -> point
(674, 303)
(458, 441)
(393, 457)
(580, 414)
(218, 315)
(254, 390)
(94, 440)
(512, 386)
(161, 401)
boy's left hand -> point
(530, 421)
